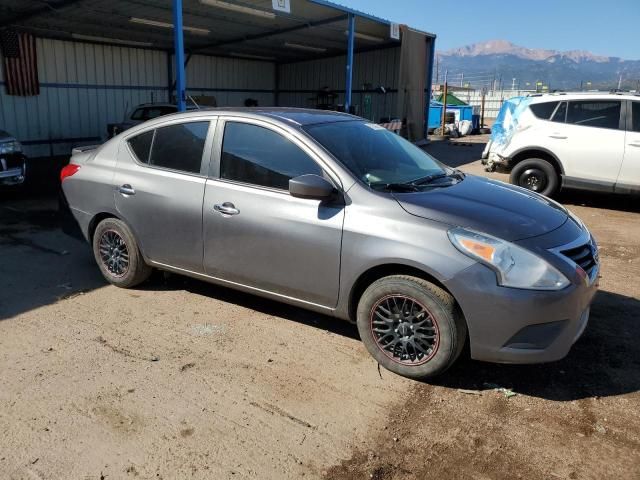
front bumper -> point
(10, 173)
(508, 325)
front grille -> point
(9, 162)
(585, 256)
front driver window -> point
(260, 156)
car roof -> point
(295, 116)
(556, 96)
(161, 104)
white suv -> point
(589, 141)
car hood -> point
(488, 206)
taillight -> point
(69, 170)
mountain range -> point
(502, 61)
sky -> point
(601, 27)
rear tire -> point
(117, 254)
(537, 175)
(411, 326)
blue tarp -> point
(507, 120)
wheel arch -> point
(384, 270)
(95, 221)
(537, 152)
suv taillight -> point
(68, 171)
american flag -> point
(20, 63)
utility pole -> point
(484, 94)
(444, 102)
(620, 82)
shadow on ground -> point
(39, 265)
(167, 281)
(455, 154)
(604, 362)
(607, 201)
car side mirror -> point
(312, 187)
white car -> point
(588, 141)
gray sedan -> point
(335, 214)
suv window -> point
(595, 113)
(180, 146)
(147, 113)
(635, 116)
(560, 115)
(543, 110)
(141, 145)
(259, 156)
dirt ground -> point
(182, 379)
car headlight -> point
(515, 267)
(10, 147)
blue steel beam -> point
(178, 46)
(350, 48)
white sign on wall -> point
(395, 31)
(282, 5)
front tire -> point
(117, 254)
(411, 326)
(537, 175)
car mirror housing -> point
(312, 187)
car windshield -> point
(378, 157)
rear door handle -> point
(226, 208)
(634, 144)
(126, 189)
(559, 137)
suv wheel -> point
(118, 255)
(410, 326)
(537, 175)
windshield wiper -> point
(397, 187)
(428, 179)
(414, 185)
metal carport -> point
(97, 58)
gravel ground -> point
(182, 379)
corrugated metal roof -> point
(314, 28)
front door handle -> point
(226, 208)
(559, 137)
(634, 144)
(126, 189)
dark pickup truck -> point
(13, 163)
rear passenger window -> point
(259, 156)
(560, 114)
(595, 113)
(141, 145)
(635, 116)
(180, 146)
(543, 110)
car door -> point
(255, 233)
(629, 177)
(588, 138)
(159, 181)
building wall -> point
(83, 87)
(494, 99)
(300, 82)
(230, 80)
